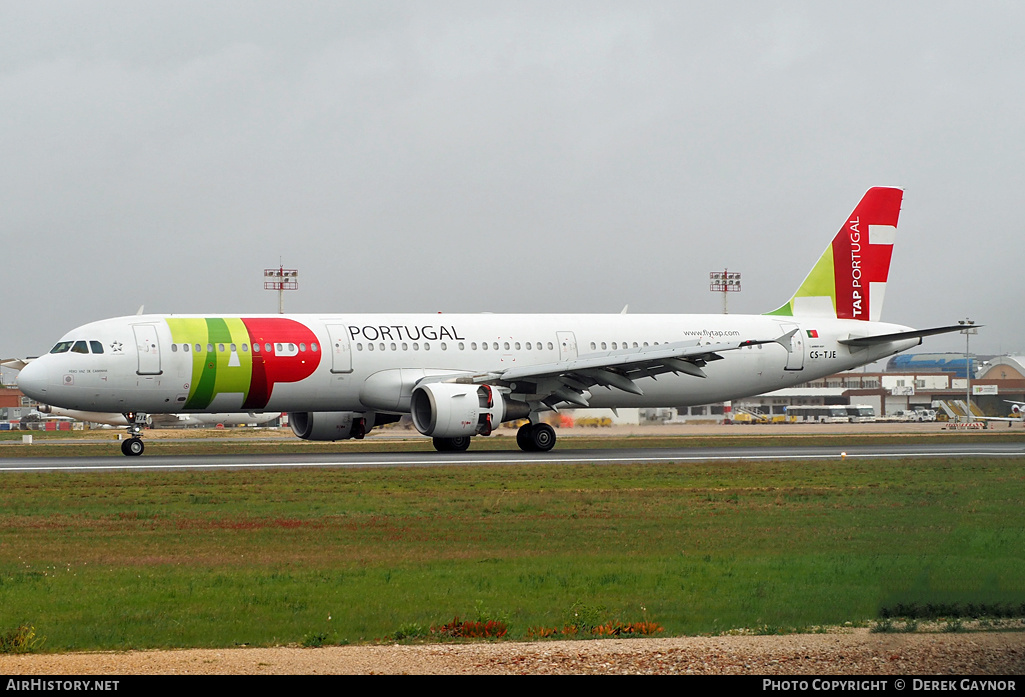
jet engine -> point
(335, 425)
(456, 410)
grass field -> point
(161, 559)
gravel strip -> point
(854, 653)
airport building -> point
(13, 404)
(936, 380)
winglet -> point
(849, 279)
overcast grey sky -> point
(508, 157)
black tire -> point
(133, 447)
(524, 439)
(452, 445)
(542, 438)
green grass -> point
(314, 556)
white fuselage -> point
(186, 363)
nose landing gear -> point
(134, 446)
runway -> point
(559, 456)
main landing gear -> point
(452, 445)
(531, 438)
(535, 438)
(133, 445)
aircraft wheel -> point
(132, 447)
(452, 445)
(542, 438)
(523, 439)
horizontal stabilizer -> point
(900, 336)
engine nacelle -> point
(330, 425)
(455, 410)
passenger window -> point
(199, 348)
(233, 348)
(96, 346)
(185, 348)
(174, 348)
(245, 348)
(313, 347)
(209, 348)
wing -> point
(569, 381)
(15, 363)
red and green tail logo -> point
(849, 279)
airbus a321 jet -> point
(461, 375)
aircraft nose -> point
(32, 381)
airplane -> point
(461, 375)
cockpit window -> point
(62, 347)
(96, 346)
(79, 347)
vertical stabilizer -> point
(849, 279)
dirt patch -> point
(857, 652)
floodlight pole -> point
(281, 279)
(724, 282)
